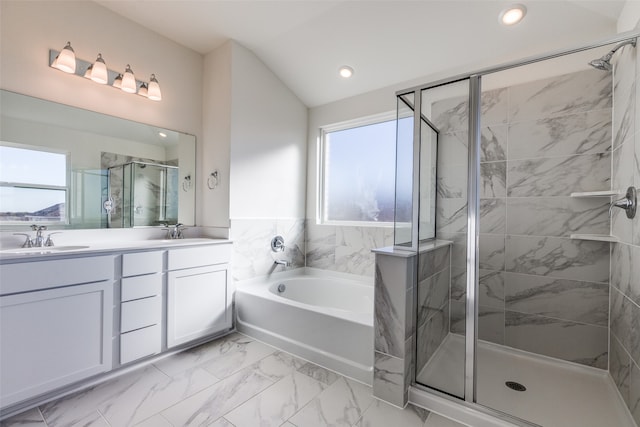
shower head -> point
(604, 62)
(601, 64)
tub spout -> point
(282, 262)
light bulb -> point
(345, 71)
(99, 71)
(513, 14)
(66, 60)
(154, 93)
(129, 81)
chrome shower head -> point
(601, 64)
(604, 62)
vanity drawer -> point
(141, 287)
(140, 343)
(140, 313)
(198, 256)
(135, 264)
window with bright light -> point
(358, 173)
(33, 185)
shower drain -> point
(515, 386)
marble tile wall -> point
(252, 254)
(541, 141)
(624, 359)
(434, 278)
(394, 316)
(346, 249)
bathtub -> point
(324, 318)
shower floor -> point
(559, 394)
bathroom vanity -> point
(67, 316)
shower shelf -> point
(596, 237)
(606, 193)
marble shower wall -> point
(540, 291)
(624, 358)
(252, 255)
(434, 278)
(346, 249)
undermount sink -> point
(43, 250)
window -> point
(33, 185)
(357, 179)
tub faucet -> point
(282, 262)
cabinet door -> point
(196, 303)
(52, 338)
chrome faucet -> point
(174, 231)
(39, 241)
(282, 262)
(629, 203)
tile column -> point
(395, 272)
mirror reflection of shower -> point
(604, 63)
(143, 194)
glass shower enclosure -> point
(495, 178)
(142, 194)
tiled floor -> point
(233, 381)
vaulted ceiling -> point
(386, 42)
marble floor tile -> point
(276, 404)
(341, 404)
(203, 353)
(155, 421)
(71, 409)
(319, 373)
(278, 365)
(269, 391)
(236, 358)
(213, 402)
(381, 414)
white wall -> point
(216, 131)
(629, 16)
(268, 142)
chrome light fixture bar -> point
(99, 73)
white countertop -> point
(65, 251)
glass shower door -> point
(442, 258)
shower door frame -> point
(473, 207)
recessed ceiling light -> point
(162, 134)
(513, 14)
(345, 71)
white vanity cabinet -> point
(141, 305)
(198, 298)
(55, 324)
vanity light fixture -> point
(98, 72)
(154, 89)
(345, 71)
(129, 81)
(513, 14)
(162, 134)
(66, 60)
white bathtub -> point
(326, 319)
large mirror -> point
(66, 167)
